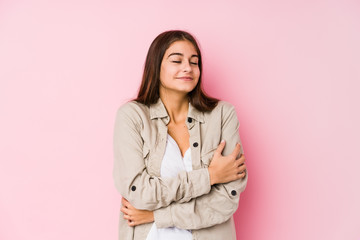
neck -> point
(177, 107)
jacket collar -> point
(158, 110)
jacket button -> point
(233, 192)
(133, 188)
(189, 119)
(195, 144)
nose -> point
(187, 66)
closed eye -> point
(193, 63)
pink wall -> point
(291, 68)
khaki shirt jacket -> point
(187, 201)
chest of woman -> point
(203, 140)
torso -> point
(206, 130)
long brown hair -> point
(149, 88)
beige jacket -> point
(187, 201)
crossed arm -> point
(205, 211)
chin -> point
(187, 90)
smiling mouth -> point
(186, 78)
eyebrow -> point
(180, 54)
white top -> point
(171, 165)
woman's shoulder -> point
(132, 109)
(223, 111)
(225, 104)
(223, 108)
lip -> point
(186, 78)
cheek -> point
(197, 72)
(167, 71)
(165, 76)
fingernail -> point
(222, 141)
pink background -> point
(291, 68)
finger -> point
(241, 159)
(129, 206)
(127, 217)
(125, 210)
(124, 202)
(131, 223)
(220, 148)
(242, 167)
(241, 175)
(237, 150)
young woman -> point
(178, 160)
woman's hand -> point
(134, 216)
(223, 169)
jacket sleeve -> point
(220, 203)
(145, 191)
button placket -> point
(195, 144)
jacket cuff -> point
(200, 180)
(162, 218)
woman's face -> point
(179, 70)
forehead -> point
(183, 46)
